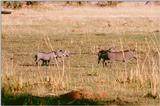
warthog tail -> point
(35, 57)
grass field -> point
(82, 30)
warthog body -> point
(108, 56)
(121, 55)
(46, 57)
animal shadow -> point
(27, 64)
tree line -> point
(20, 4)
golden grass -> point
(81, 32)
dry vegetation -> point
(81, 30)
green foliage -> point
(26, 99)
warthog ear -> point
(98, 50)
(110, 49)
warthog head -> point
(103, 54)
(62, 53)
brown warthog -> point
(109, 56)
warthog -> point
(103, 54)
(108, 56)
(46, 57)
(61, 53)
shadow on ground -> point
(36, 65)
(71, 98)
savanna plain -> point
(81, 31)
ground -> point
(82, 30)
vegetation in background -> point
(18, 4)
(108, 3)
(81, 31)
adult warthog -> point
(109, 56)
(45, 57)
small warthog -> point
(108, 56)
(45, 57)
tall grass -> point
(80, 70)
(144, 74)
(21, 4)
(13, 82)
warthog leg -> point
(103, 62)
(108, 62)
(37, 62)
(45, 62)
(99, 60)
(48, 61)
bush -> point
(18, 4)
(76, 3)
(107, 3)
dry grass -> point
(82, 31)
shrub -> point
(17, 4)
(107, 3)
